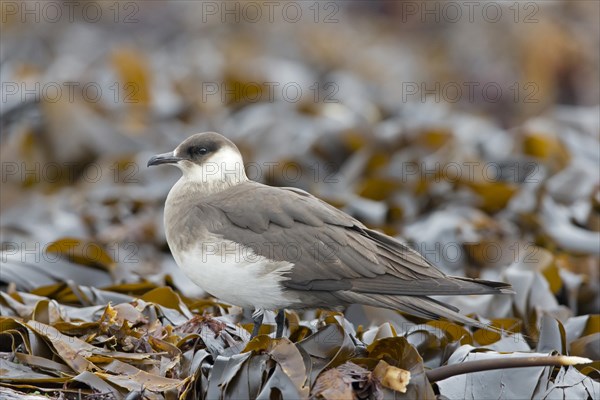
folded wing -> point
(330, 250)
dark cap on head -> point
(196, 149)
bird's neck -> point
(187, 189)
(185, 195)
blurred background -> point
(471, 129)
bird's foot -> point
(280, 321)
(257, 317)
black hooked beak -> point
(165, 158)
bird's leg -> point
(280, 321)
(257, 317)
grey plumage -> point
(332, 252)
(335, 259)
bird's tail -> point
(424, 307)
(488, 287)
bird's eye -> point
(198, 151)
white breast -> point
(236, 275)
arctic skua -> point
(272, 248)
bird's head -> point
(208, 159)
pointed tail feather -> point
(392, 285)
(492, 286)
(423, 307)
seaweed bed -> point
(92, 304)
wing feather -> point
(330, 250)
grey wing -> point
(330, 250)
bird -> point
(274, 248)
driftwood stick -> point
(438, 374)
